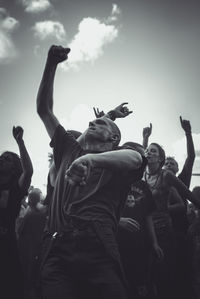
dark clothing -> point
(99, 203)
(30, 240)
(78, 266)
(10, 268)
(133, 246)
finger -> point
(98, 110)
(150, 126)
(67, 50)
(181, 121)
(95, 111)
(129, 112)
(134, 224)
(76, 179)
(125, 103)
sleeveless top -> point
(160, 192)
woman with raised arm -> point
(15, 179)
(162, 183)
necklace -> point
(152, 184)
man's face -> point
(152, 154)
(171, 165)
(100, 129)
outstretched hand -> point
(185, 124)
(129, 224)
(147, 131)
(121, 111)
(78, 172)
(98, 113)
(158, 252)
(17, 133)
(58, 54)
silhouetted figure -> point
(15, 178)
(30, 239)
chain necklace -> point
(147, 179)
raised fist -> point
(58, 54)
(18, 133)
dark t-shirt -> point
(139, 203)
(133, 246)
(10, 202)
(100, 200)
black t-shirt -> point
(139, 202)
(133, 246)
(101, 199)
(10, 203)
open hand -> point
(129, 224)
(121, 111)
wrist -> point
(51, 64)
(188, 132)
(112, 115)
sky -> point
(144, 52)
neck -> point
(153, 168)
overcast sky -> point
(144, 52)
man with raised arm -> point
(82, 258)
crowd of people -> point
(117, 222)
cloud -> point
(93, 35)
(49, 29)
(36, 6)
(7, 27)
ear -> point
(115, 139)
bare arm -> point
(188, 165)
(120, 160)
(152, 237)
(56, 55)
(120, 111)
(172, 181)
(25, 178)
(146, 134)
(175, 202)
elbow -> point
(136, 161)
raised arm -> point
(146, 133)
(186, 172)
(27, 168)
(172, 181)
(119, 160)
(56, 55)
(120, 111)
